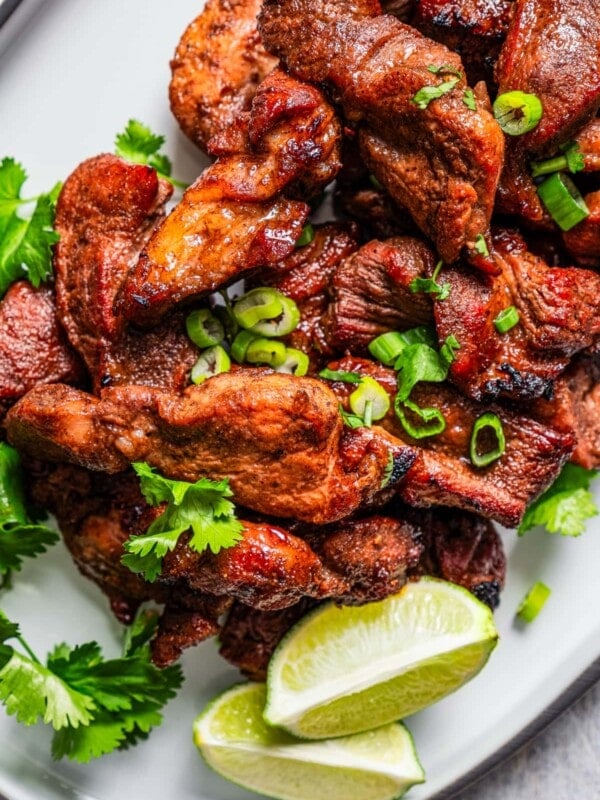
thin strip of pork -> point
(217, 67)
(443, 473)
(33, 346)
(235, 217)
(558, 316)
(441, 162)
(279, 439)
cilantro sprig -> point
(201, 508)
(440, 291)
(20, 536)
(139, 144)
(565, 506)
(25, 241)
(95, 705)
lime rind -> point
(235, 742)
(358, 662)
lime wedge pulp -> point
(345, 670)
(235, 741)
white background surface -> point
(67, 86)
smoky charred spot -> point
(488, 592)
(402, 462)
(519, 385)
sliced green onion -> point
(240, 344)
(563, 201)
(257, 305)
(203, 328)
(433, 419)
(307, 235)
(533, 602)
(266, 351)
(370, 400)
(284, 323)
(517, 112)
(387, 347)
(212, 362)
(340, 375)
(296, 362)
(507, 319)
(572, 160)
(481, 246)
(487, 421)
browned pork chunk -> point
(443, 473)
(235, 217)
(279, 439)
(370, 293)
(475, 29)
(583, 240)
(217, 67)
(33, 346)
(106, 211)
(441, 161)
(558, 316)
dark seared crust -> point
(558, 318)
(441, 163)
(235, 217)
(279, 439)
(443, 474)
(33, 346)
(217, 67)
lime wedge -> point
(235, 741)
(344, 670)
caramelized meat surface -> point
(33, 347)
(279, 439)
(370, 293)
(217, 67)
(441, 162)
(557, 318)
(443, 473)
(583, 240)
(235, 217)
(475, 29)
(106, 212)
(269, 569)
(552, 50)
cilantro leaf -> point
(20, 537)
(350, 419)
(95, 705)
(201, 508)
(565, 506)
(25, 244)
(340, 375)
(428, 93)
(430, 285)
(469, 99)
(139, 144)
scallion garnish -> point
(517, 112)
(563, 201)
(433, 419)
(296, 363)
(266, 351)
(571, 160)
(430, 285)
(203, 328)
(428, 93)
(533, 602)
(469, 99)
(340, 375)
(481, 246)
(369, 401)
(388, 346)
(487, 422)
(307, 235)
(285, 322)
(257, 305)
(213, 361)
(240, 345)
(375, 183)
(507, 319)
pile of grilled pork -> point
(288, 99)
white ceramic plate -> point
(68, 83)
